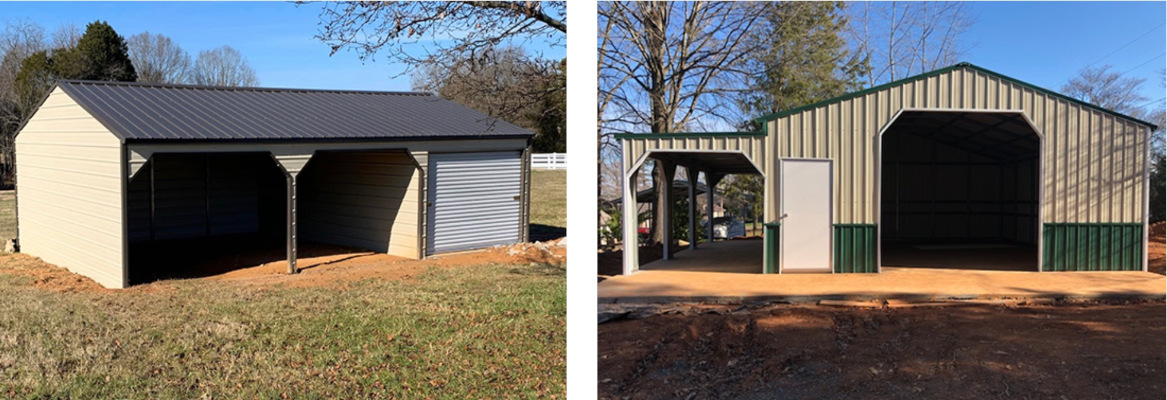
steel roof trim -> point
(684, 135)
(137, 111)
(848, 96)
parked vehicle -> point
(727, 227)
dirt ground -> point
(1067, 351)
(320, 265)
(1156, 251)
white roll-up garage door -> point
(474, 200)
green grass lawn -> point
(548, 205)
(475, 331)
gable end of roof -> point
(964, 65)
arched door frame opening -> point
(1040, 173)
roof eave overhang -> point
(329, 140)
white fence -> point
(549, 160)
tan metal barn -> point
(960, 160)
(108, 171)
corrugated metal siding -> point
(475, 200)
(771, 237)
(69, 191)
(855, 248)
(1092, 247)
(196, 195)
(1079, 141)
(753, 147)
(367, 200)
(181, 112)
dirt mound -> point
(817, 352)
(47, 276)
(336, 267)
(340, 269)
(1157, 231)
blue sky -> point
(1046, 43)
(276, 37)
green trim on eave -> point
(848, 96)
(686, 135)
(770, 240)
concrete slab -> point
(716, 274)
(742, 256)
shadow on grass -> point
(543, 233)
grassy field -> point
(474, 331)
(548, 205)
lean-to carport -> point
(714, 155)
(106, 166)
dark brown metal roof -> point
(138, 111)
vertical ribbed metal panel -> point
(475, 200)
(855, 248)
(1093, 161)
(1092, 247)
(752, 146)
(770, 236)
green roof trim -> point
(848, 96)
(685, 135)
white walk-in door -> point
(474, 200)
(806, 204)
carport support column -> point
(691, 175)
(665, 207)
(292, 224)
(711, 181)
(631, 225)
(292, 164)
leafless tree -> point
(908, 38)
(500, 82)
(158, 59)
(1107, 89)
(665, 66)
(18, 40)
(66, 36)
(223, 66)
(444, 30)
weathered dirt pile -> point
(1068, 351)
(320, 266)
(46, 276)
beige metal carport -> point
(104, 166)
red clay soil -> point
(1072, 351)
(1156, 250)
(322, 266)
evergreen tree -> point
(550, 117)
(33, 81)
(804, 58)
(104, 55)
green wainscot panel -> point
(1092, 247)
(855, 248)
(771, 242)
